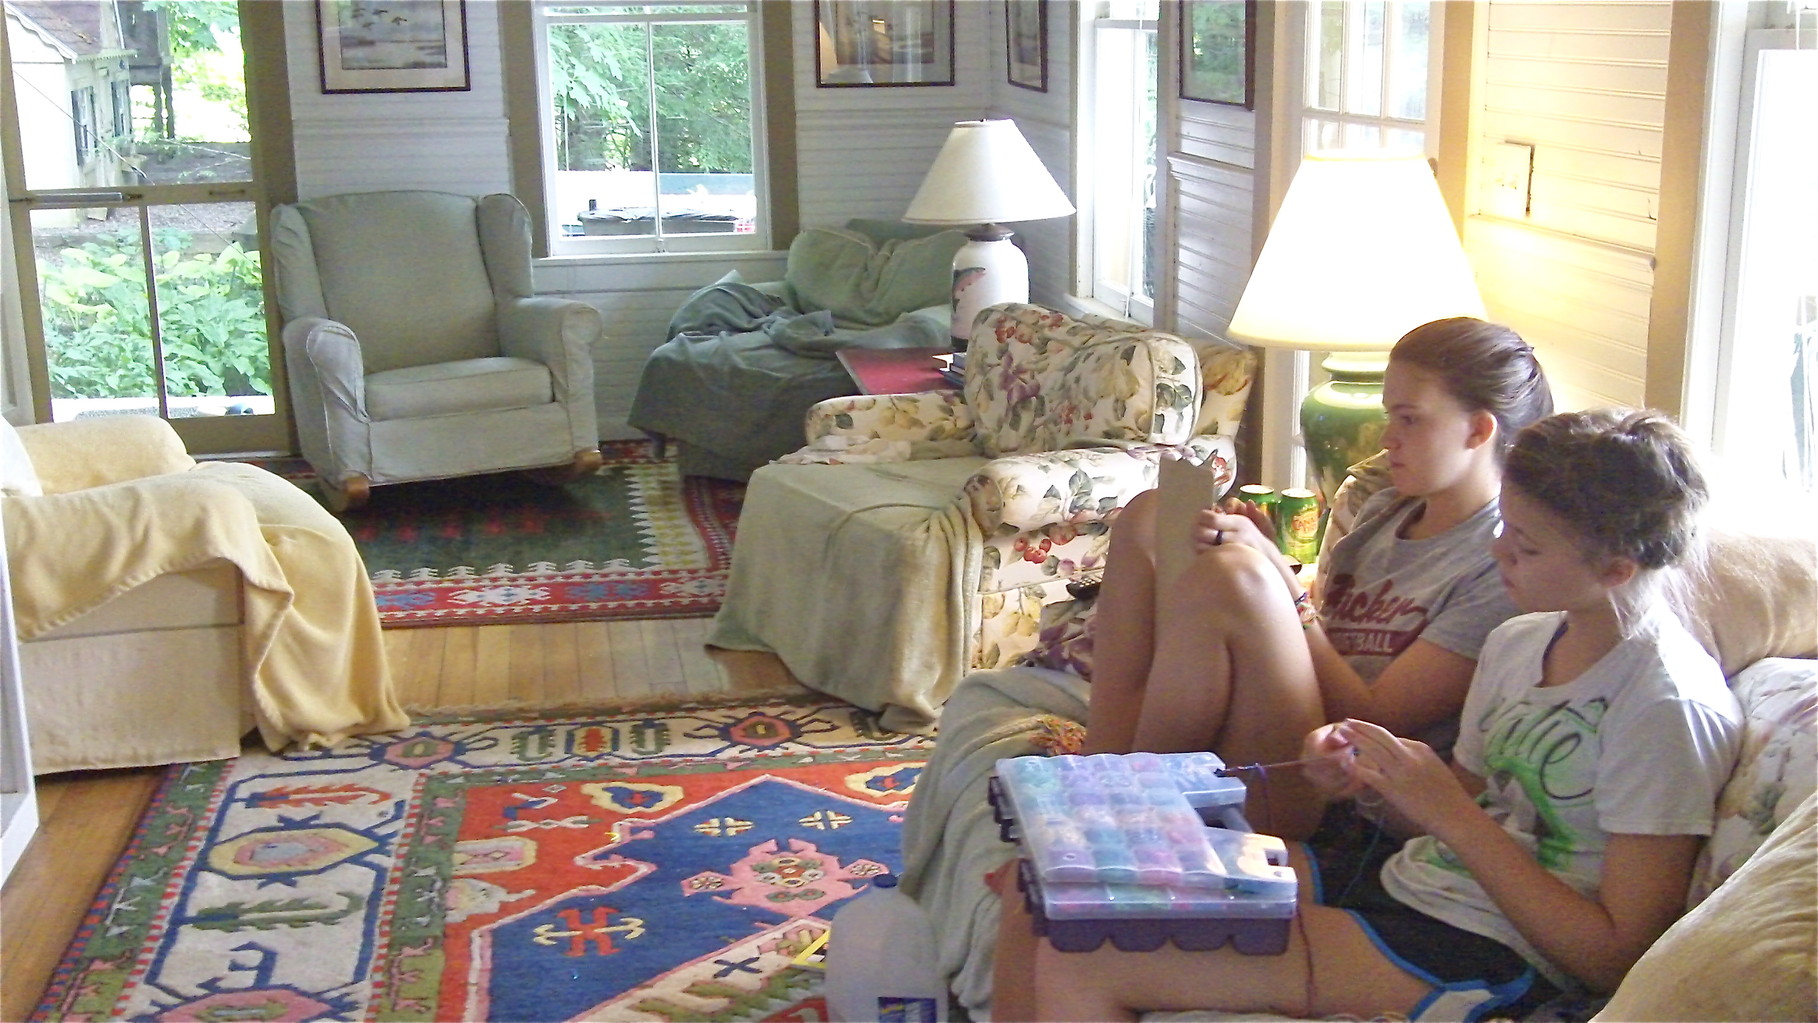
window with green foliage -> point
(653, 134)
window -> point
(1367, 76)
(82, 121)
(652, 126)
(1765, 424)
(123, 109)
(1117, 120)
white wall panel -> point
(1584, 84)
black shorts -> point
(1472, 976)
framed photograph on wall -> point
(1218, 51)
(862, 43)
(1026, 43)
(393, 45)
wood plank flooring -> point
(86, 817)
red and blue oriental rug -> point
(637, 866)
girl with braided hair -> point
(1558, 844)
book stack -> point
(952, 368)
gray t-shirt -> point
(1380, 592)
(1640, 744)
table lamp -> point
(1361, 252)
(984, 176)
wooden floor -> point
(86, 817)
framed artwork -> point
(862, 43)
(393, 45)
(1218, 51)
(1026, 43)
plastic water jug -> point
(881, 963)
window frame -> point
(1091, 291)
(547, 241)
(1709, 387)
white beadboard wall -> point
(1211, 181)
(1585, 85)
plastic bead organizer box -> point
(1142, 848)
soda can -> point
(1298, 516)
(1266, 499)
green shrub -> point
(211, 314)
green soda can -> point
(1297, 515)
(1265, 498)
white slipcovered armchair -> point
(166, 607)
(948, 519)
(416, 347)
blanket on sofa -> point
(950, 842)
(311, 640)
(742, 364)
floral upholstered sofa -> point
(1748, 949)
(918, 536)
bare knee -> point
(1134, 527)
(1233, 583)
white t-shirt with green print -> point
(1641, 743)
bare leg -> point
(1013, 970)
(1331, 967)
(1231, 673)
(1124, 633)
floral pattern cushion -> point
(1226, 371)
(919, 416)
(1040, 380)
(1776, 770)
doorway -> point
(140, 172)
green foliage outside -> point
(206, 62)
(97, 324)
(600, 79)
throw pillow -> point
(1775, 771)
(866, 283)
(17, 476)
(1746, 952)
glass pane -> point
(97, 315)
(1408, 73)
(1770, 416)
(97, 334)
(115, 94)
(703, 136)
(600, 81)
(1363, 69)
(1329, 45)
(211, 309)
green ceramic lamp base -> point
(1341, 420)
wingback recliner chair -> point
(883, 582)
(416, 347)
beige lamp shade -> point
(1361, 252)
(987, 174)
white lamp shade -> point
(987, 174)
(1361, 252)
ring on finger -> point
(1218, 537)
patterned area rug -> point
(636, 540)
(638, 866)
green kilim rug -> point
(635, 540)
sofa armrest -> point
(920, 416)
(1078, 485)
(88, 453)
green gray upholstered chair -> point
(416, 347)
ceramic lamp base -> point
(987, 270)
(1341, 420)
